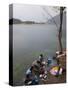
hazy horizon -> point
(37, 13)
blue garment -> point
(35, 80)
(49, 60)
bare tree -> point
(61, 9)
(60, 29)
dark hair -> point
(54, 57)
(41, 59)
(60, 52)
(41, 55)
(27, 76)
(38, 61)
(31, 68)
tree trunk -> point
(60, 29)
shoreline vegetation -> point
(17, 21)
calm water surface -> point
(28, 42)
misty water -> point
(28, 42)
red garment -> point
(42, 71)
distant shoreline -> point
(17, 21)
(29, 23)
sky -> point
(33, 12)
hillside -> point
(14, 21)
(17, 21)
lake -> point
(30, 40)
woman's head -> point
(41, 57)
